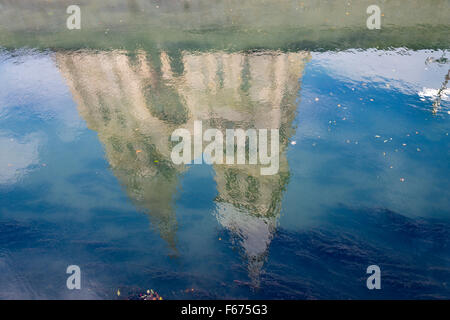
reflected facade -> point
(135, 103)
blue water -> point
(368, 184)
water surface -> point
(86, 176)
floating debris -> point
(150, 295)
(293, 143)
(402, 179)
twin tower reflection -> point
(135, 101)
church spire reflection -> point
(135, 101)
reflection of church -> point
(135, 101)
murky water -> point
(87, 178)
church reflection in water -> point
(135, 101)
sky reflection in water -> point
(363, 175)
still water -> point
(86, 176)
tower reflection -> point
(135, 101)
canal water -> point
(87, 178)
